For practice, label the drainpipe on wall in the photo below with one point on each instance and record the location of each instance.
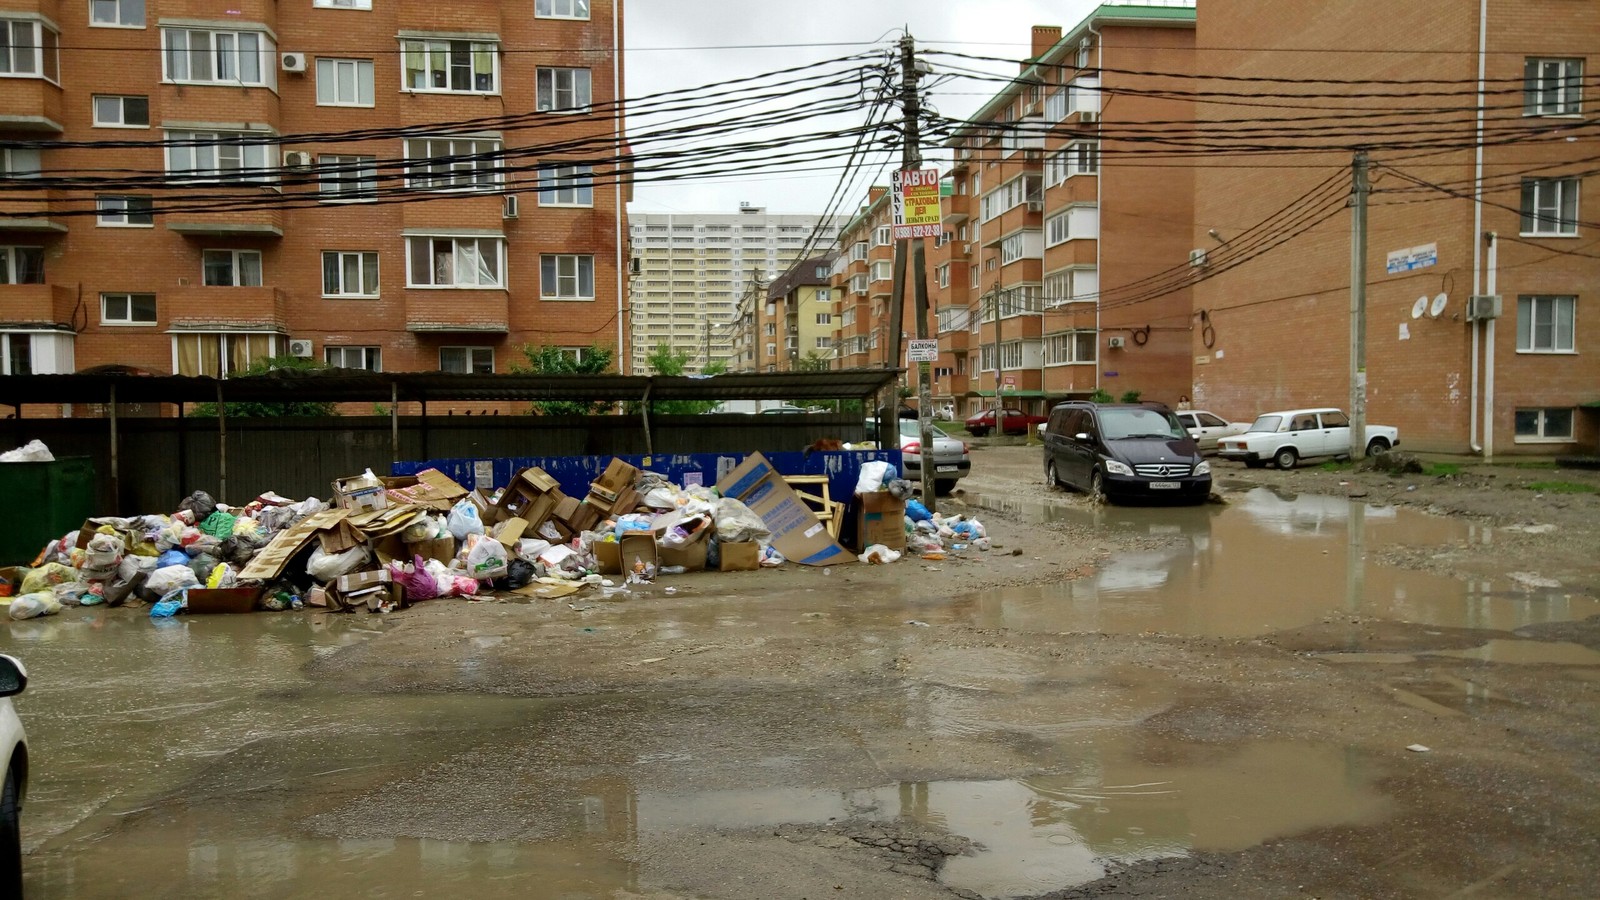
(1099, 193)
(1488, 351)
(1477, 224)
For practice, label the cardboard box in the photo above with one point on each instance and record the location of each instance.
(796, 531)
(349, 494)
(692, 556)
(880, 519)
(205, 601)
(740, 556)
(510, 531)
(430, 488)
(358, 589)
(640, 546)
(584, 519)
(442, 549)
(608, 557)
(625, 502)
(91, 527)
(618, 477)
(532, 495)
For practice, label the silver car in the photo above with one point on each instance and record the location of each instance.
(952, 459)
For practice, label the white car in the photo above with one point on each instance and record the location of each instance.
(1207, 427)
(1284, 438)
(14, 743)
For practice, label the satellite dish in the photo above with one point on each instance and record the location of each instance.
(1439, 303)
(1419, 307)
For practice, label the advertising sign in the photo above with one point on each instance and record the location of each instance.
(916, 204)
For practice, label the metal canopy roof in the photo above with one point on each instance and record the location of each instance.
(354, 386)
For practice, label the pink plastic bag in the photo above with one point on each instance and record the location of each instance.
(418, 584)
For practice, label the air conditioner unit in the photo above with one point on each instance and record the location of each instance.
(296, 159)
(1116, 343)
(1035, 206)
(510, 211)
(293, 62)
(1087, 115)
(1481, 309)
(1197, 257)
(302, 349)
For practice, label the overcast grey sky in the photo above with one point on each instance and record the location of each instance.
(655, 24)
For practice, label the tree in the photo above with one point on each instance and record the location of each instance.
(817, 362)
(1131, 396)
(291, 364)
(541, 360)
(666, 361)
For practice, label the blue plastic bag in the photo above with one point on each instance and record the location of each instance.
(170, 605)
(916, 512)
(172, 558)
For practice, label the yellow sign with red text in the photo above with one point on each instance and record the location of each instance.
(916, 204)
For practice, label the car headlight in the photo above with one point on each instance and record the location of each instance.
(1203, 469)
(1117, 468)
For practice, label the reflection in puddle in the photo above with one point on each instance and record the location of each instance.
(1528, 653)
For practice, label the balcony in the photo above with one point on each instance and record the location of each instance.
(29, 211)
(458, 312)
(265, 223)
(226, 307)
(1077, 252)
(30, 105)
(36, 304)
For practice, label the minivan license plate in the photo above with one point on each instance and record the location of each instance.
(946, 468)
(1164, 485)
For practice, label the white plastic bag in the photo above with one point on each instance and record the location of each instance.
(164, 581)
(30, 606)
(464, 520)
(662, 498)
(325, 567)
(528, 549)
(32, 451)
(487, 560)
(879, 555)
(737, 523)
(872, 476)
(104, 552)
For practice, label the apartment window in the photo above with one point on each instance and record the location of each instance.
(1072, 286)
(349, 273)
(218, 355)
(347, 177)
(20, 162)
(1071, 348)
(18, 354)
(824, 319)
(566, 186)
(563, 89)
(1552, 424)
(29, 48)
(561, 9)
(848, 319)
(824, 343)
(1552, 87)
(342, 4)
(231, 268)
(882, 236)
(1015, 247)
(954, 318)
(344, 82)
(1546, 324)
(1017, 191)
(858, 283)
(369, 358)
(220, 156)
(124, 211)
(449, 164)
(1083, 52)
(467, 360)
(1078, 158)
(450, 67)
(1549, 206)
(127, 309)
(772, 349)
(566, 277)
(121, 112)
(1077, 223)
(116, 13)
(1083, 96)
(21, 265)
(825, 295)
(1055, 105)
(772, 329)
(858, 251)
(973, 277)
(454, 262)
(206, 56)
(883, 270)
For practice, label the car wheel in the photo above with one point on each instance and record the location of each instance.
(943, 488)
(977, 432)
(1097, 487)
(1286, 458)
(1052, 479)
(1378, 447)
(10, 837)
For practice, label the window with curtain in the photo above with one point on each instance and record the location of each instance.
(455, 262)
(449, 66)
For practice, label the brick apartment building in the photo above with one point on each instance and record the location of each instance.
(1429, 365)
(796, 324)
(261, 227)
(863, 280)
(1041, 235)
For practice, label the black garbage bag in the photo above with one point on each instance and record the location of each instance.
(519, 573)
(203, 565)
(199, 503)
(240, 549)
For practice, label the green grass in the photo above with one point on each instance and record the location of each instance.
(1440, 470)
(1562, 487)
(1334, 465)
(1533, 464)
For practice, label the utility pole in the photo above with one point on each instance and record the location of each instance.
(911, 161)
(1360, 188)
(994, 307)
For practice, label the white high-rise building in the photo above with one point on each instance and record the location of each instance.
(691, 269)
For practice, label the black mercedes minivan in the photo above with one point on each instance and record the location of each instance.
(1124, 451)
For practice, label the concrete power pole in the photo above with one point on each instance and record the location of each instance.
(1360, 188)
(911, 161)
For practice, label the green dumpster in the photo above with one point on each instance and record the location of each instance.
(44, 501)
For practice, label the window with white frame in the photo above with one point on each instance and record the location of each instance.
(124, 211)
(1055, 105)
(1018, 301)
(858, 283)
(883, 270)
(1017, 191)
(369, 358)
(848, 319)
(882, 236)
(1014, 247)
(954, 318)
(1071, 348)
(343, 177)
(455, 262)
(231, 268)
(453, 164)
(858, 251)
(29, 49)
(972, 277)
(16, 354)
(206, 156)
(1076, 223)
(220, 354)
(449, 66)
(1549, 207)
(1551, 423)
(566, 276)
(1083, 96)
(349, 273)
(1552, 87)
(566, 185)
(20, 162)
(116, 13)
(212, 56)
(1077, 158)
(824, 318)
(467, 360)
(1011, 354)
(21, 265)
(563, 89)
(943, 275)
(342, 4)
(561, 9)
(121, 112)
(824, 343)
(825, 295)
(1071, 286)
(1546, 324)
(344, 82)
(127, 309)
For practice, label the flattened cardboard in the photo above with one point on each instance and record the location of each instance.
(340, 538)
(356, 581)
(739, 556)
(429, 488)
(442, 549)
(796, 531)
(203, 601)
(384, 522)
(880, 519)
(274, 558)
(509, 532)
(618, 477)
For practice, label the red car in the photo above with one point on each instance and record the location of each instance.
(1014, 421)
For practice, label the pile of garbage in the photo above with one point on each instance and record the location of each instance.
(384, 543)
